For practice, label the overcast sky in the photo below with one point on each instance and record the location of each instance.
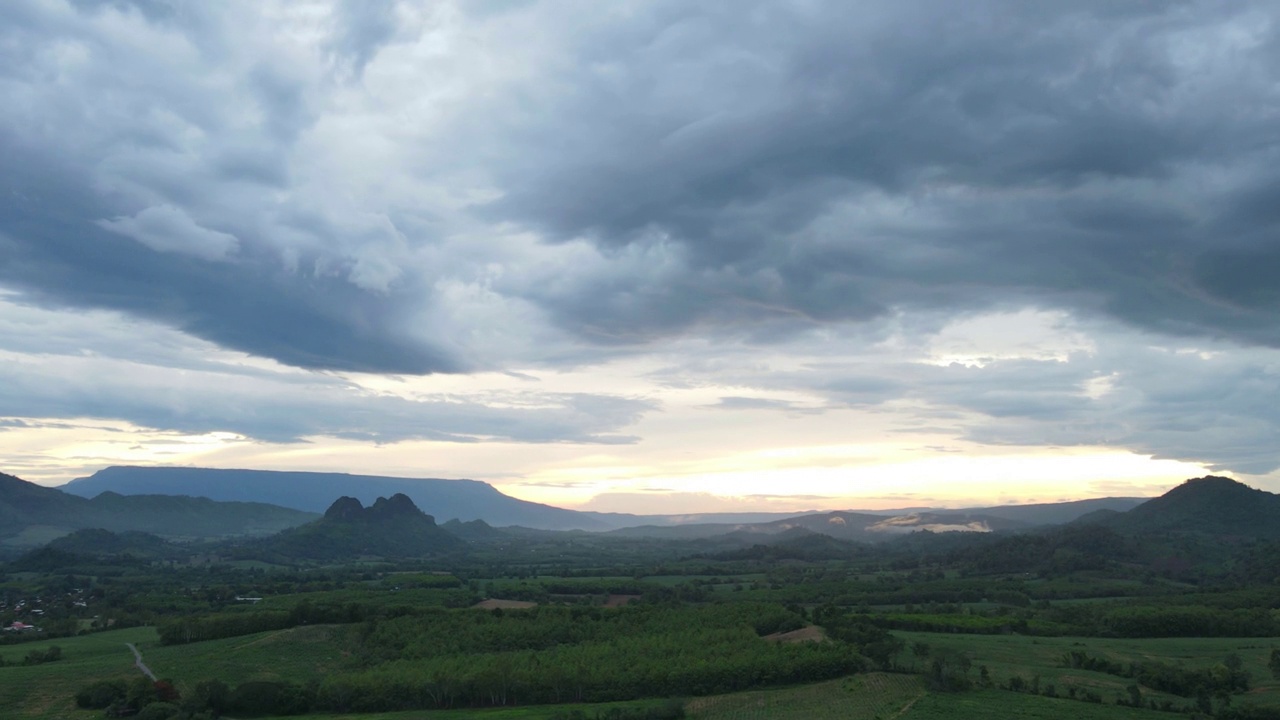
(651, 256)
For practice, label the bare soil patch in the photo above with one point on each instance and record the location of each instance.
(813, 633)
(493, 604)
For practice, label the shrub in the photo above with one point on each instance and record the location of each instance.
(101, 694)
(158, 711)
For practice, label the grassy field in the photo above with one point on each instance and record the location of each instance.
(865, 697)
(544, 712)
(1008, 655)
(999, 704)
(47, 691)
(304, 653)
(297, 655)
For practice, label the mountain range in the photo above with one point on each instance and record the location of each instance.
(314, 492)
(33, 515)
(467, 500)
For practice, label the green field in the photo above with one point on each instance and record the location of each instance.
(544, 712)
(999, 704)
(877, 696)
(881, 696)
(298, 655)
(47, 691)
(1009, 655)
(304, 653)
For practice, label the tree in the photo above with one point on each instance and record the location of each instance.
(1274, 663)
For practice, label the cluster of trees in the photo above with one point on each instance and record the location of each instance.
(1223, 678)
(198, 628)
(38, 657)
(1089, 620)
(687, 661)
(209, 699)
(1187, 621)
(139, 698)
(213, 627)
(440, 658)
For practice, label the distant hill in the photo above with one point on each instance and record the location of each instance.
(313, 492)
(843, 525)
(1210, 505)
(33, 515)
(475, 530)
(1058, 513)
(104, 543)
(390, 528)
(795, 544)
(1067, 548)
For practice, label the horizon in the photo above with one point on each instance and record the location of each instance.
(684, 258)
(664, 508)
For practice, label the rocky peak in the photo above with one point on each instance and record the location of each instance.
(398, 505)
(345, 508)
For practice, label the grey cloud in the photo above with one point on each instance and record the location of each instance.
(289, 409)
(838, 161)
(1182, 406)
(750, 173)
(114, 203)
(360, 29)
(165, 228)
(753, 170)
(750, 403)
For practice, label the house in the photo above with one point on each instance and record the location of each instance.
(21, 627)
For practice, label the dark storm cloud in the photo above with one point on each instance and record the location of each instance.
(413, 189)
(68, 242)
(833, 161)
(756, 168)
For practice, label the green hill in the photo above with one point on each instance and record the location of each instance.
(33, 515)
(1209, 505)
(104, 543)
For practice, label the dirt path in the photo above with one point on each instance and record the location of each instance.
(907, 707)
(137, 660)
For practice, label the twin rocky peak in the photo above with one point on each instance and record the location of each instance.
(349, 509)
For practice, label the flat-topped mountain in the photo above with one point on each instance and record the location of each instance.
(391, 527)
(33, 515)
(313, 492)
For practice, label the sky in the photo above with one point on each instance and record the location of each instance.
(647, 256)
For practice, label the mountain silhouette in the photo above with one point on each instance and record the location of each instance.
(33, 515)
(391, 527)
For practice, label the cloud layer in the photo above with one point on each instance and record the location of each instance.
(411, 188)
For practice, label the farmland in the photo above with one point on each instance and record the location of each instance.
(947, 626)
